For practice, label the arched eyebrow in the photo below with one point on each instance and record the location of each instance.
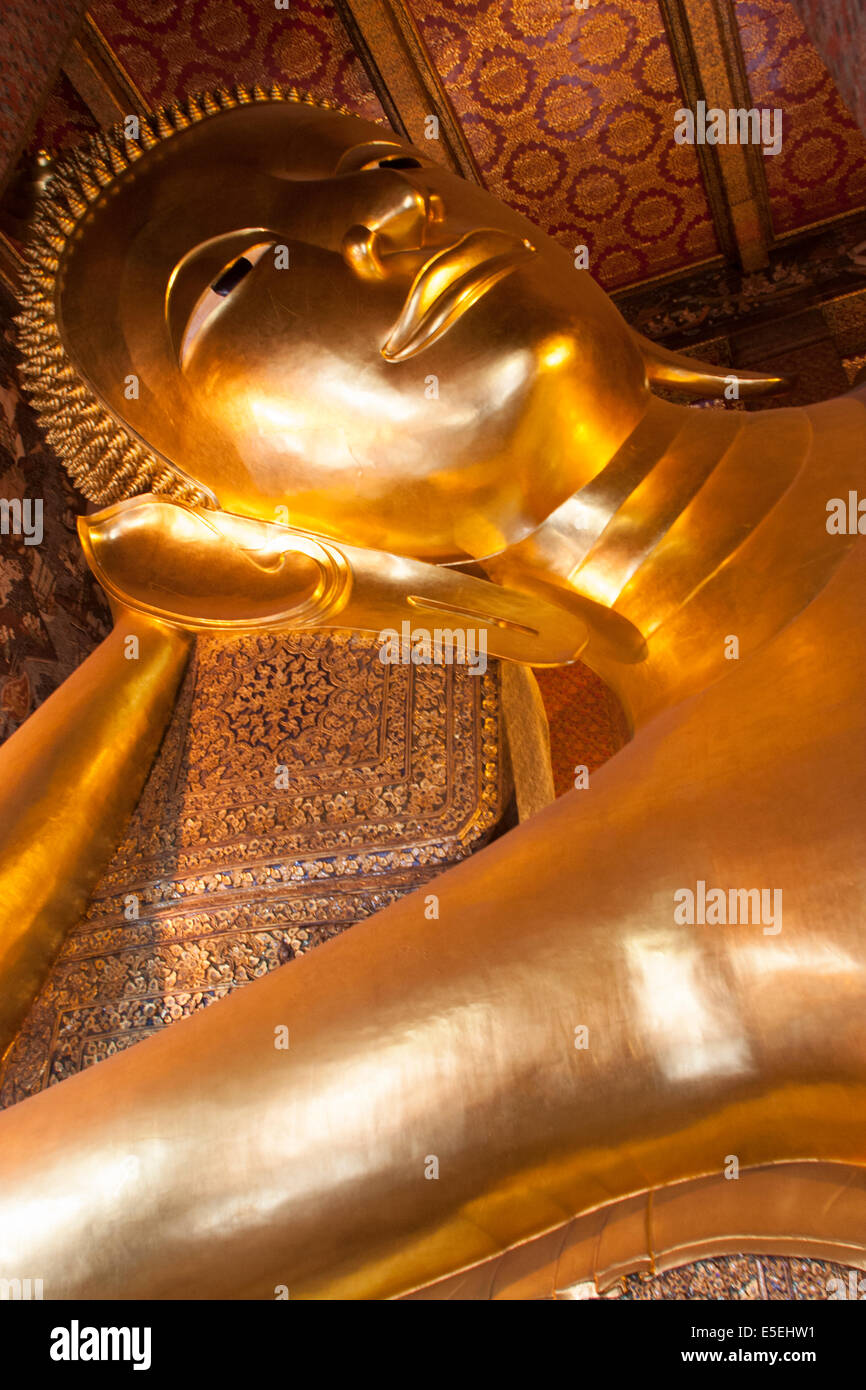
(216, 294)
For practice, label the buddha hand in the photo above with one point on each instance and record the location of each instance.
(201, 570)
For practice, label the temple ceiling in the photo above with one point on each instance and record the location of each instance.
(564, 111)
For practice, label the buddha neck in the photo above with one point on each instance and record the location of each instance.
(706, 525)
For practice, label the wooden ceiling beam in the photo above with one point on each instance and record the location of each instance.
(99, 77)
(405, 79)
(708, 55)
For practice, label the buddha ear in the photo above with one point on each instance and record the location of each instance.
(703, 379)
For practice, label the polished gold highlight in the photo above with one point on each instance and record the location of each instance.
(549, 501)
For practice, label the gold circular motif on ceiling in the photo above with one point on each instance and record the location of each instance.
(654, 215)
(568, 107)
(534, 169)
(801, 70)
(818, 151)
(603, 39)
(502, 80)
(630, 134)
(223, 33)
(301, 52)
(597, 194)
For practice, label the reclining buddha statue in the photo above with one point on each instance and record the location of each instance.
(314, 381)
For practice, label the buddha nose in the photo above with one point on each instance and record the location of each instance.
(397, 242)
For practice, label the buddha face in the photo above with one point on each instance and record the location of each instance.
(325, 326)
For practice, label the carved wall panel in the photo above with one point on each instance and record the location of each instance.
(302, 785)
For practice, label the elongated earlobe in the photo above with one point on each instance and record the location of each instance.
(704, 379)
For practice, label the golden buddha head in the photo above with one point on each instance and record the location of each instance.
(263, 303)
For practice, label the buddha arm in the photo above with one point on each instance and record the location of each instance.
(209, 1162)
(69, 779)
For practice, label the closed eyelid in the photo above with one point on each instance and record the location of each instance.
(394, 161)
(216, 294)
(378, 155)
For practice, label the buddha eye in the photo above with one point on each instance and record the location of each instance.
(377, 154)
(232, 276)
(217, 292)
(396, 161)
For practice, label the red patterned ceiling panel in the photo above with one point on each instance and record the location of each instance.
(570, 115)
(34, 35)
(821, 170)
(64, 119)
(172, 48)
